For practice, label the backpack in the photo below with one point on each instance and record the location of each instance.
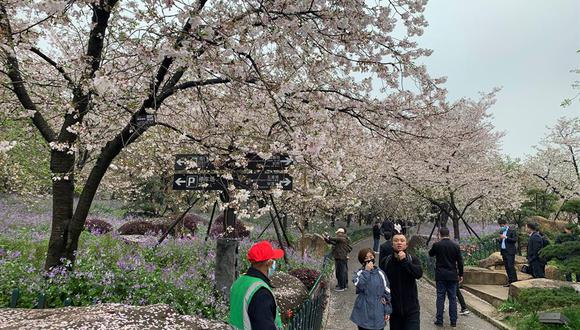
(545, 241)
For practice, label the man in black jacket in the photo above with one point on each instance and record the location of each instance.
(508, 238)
(386, 250)
(387, 227)
(376, 236)
(448, 274)
(403, 271)
(535, 244)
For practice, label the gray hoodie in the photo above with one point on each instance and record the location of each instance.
(373, 299)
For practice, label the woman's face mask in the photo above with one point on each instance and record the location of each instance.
(272, 269)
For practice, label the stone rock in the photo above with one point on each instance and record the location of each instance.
(146, 240)
(289, 291)
(543, 283)
(483, 276)
(553, 273)
(495, 261)
(105, 316)
(313, 244)
(548, 225)
(418, 241)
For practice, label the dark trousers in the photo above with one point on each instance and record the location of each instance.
(448, 288)
(509, 262)
(538, 268)
(569, 277)
(376, 244)
(341, 272)
(460, 298)
(361, 328)
(405, 322)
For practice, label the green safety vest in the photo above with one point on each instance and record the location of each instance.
(241, 295)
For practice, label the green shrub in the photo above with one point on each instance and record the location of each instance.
(536, 299)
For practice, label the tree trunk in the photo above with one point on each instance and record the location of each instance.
(456, 234)
(62, 206)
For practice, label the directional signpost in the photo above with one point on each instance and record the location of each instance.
(258, 174)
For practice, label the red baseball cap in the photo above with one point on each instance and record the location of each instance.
(263, 251)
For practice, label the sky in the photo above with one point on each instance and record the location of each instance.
(525, 47)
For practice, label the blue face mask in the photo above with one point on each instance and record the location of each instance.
(503, 228)
(272, 269)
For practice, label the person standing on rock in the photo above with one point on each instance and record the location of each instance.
(340, 250)
(448, 274)
(376, 236)
(403, 271)
(372, 306)
(535, 244)
(252, 303)
(508, 237)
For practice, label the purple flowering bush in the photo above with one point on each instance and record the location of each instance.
(179, 272)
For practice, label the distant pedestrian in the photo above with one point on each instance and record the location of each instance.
(403, 271)
(252, 303)
(372, 306)
(376, 236)
(464, 310)
(340, 250)
(535, 245)
(385, 251)
(387, 227)
(448, 274)
(508, 238)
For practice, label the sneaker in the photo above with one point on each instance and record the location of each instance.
(506, 285)
(339, 289)
(438, 324)
(464, 312)
(453, 325)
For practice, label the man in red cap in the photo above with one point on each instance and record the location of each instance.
(252, 303)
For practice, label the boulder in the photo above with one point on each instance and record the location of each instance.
(548, 225)
(418, 241)
(289, 291)
(495, 261)
(313, 245)
(146, 240)
(483, 276)
(542, 283)
(553, 273)
(104, 316)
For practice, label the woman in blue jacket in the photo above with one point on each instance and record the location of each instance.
(372, 306)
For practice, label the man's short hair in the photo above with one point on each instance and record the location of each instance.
(444, 232)
(502, 221)
(532, 225)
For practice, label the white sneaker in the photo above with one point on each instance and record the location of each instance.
(339, 289)
(464, 312)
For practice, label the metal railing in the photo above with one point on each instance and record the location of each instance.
(309, 315)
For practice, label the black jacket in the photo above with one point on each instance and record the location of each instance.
(403, 276)
(535, 244)
(449, 261)
(385, 251)
(376, 231)
(262, 308)
(387, 227)
(510, 241)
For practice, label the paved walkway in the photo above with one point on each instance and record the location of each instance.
(341, 303)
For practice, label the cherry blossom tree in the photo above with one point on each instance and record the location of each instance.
(220, 77)
(555, 166)
(457, 166)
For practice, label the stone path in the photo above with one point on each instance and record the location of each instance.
(341, 303)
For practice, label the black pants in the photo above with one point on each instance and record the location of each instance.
(509, 262)
(405, 322)
(461, 299)
(361, 328)
(341, 272)
(538, 268)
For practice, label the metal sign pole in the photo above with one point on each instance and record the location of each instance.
(176, 221)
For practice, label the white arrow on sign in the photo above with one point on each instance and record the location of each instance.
(179, 181)
(286, 161)
(286, 182)
(180, 162)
